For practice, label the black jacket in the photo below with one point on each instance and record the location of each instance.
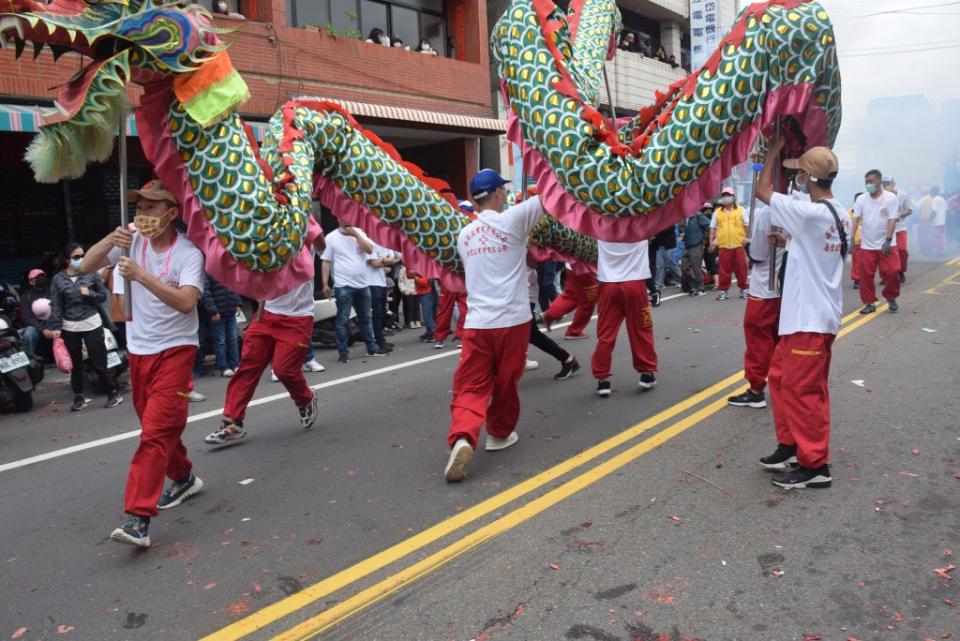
(27, 316)
(217, 299)
(67, 303)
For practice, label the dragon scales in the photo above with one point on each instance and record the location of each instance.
(248, 208)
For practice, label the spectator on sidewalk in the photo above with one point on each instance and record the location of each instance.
(667, 270)
(31, 329)
(695, 231)
(427, 295)
(76, 299)
(378, 262)
(222, 305)
(409, 299)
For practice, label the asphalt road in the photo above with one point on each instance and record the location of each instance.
(638, 517)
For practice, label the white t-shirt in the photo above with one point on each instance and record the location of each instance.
(533, 285)
(377, 276)
(874, 214)
(622, 262)
(349, 262)
(760, 254)
(493, 249)
(156, 326)
(903, 204)
(295, 303)
(812, 293)
(939, 208)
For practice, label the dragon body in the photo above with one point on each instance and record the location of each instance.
(248, 207)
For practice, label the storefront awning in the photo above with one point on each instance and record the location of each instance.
(491, 126)
(28, 118)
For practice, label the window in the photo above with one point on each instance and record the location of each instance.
(409, 20)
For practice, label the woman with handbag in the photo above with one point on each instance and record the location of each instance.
(76, 299)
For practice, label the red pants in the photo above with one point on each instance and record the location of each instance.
(732, 261)
(855, 263)
(160, 384)
(615, 302)
(485, 383)
(799, 390)
(760, 322)
(580, 294)
(282, 339)
(902, 250)
(889, 266)
(445, 315)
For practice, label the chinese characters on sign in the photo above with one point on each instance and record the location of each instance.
(704, 32)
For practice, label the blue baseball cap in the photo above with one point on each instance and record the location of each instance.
(485, 183)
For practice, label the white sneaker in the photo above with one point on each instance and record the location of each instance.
(313, 366)
(273, 377)
(195, 397)
(531, 365)
(494, 444)
(438, 345)
(227, 373)
(460, 457)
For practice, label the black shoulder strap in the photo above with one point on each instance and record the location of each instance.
(840, 230)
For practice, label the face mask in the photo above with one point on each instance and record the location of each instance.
(871, 188)
(425, 46)
(397, 45)
(151, 226)
(385, 40)
(726, 200)
(76, 262)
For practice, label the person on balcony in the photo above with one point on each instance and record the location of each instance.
(378, 37)
(425, 48)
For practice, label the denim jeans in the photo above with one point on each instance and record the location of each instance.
(359, 299)
(666, 263)
(378, 311)
(31, 336)
(225, 345)
(198, 367)
(428, 310)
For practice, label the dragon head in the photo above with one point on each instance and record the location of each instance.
(119, 41)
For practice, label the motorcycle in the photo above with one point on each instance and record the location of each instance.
(19, 372)
(116, 361)
(325, 321)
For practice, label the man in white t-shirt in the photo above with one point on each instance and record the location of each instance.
(809, 317)
(876, 212)
(497, 329)
(761, 318)
(348, 250)
(381, 259)
(905, 209)
(622, 270)
(166, 274)
(280, 337)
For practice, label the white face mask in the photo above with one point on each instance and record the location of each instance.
(726, 200)
(425, 46)
(398, 45)
(384, 40)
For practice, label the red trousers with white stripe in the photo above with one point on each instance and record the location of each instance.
(889, 266)
(485, 383)
(445, 314)
(902, 250)
(160, 384)
(732, 261)
(616, 302)
(277, 338)
(799, 389)
(760, 323)
(580, 294)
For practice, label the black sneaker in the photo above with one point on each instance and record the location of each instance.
(79, 402)
(868, 309)
(113, 400)
(892, 305)
(134, 531)
(571, 367)
(427, 338)
(903, 278)
(655, 299)
(856, 284)
(603, 388)
(698, 293)
(748, 399)
(180, 491)
(380, 352)
(647, 382)
(308, 413)
(803, 477)
(387, 345)
(344, 358)
(723, 295)
(783, 458)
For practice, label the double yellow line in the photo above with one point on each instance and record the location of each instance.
(715, 394)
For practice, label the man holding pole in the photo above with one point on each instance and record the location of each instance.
(165, 272)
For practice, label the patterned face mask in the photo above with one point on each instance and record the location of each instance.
(151, 226)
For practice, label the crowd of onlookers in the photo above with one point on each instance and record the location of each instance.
(630, 41)
(380, 37)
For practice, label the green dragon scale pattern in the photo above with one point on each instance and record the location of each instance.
(237, 199)
(783, 46)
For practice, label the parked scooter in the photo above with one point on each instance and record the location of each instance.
(116, 361)
(325, 324)
(19, 372)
